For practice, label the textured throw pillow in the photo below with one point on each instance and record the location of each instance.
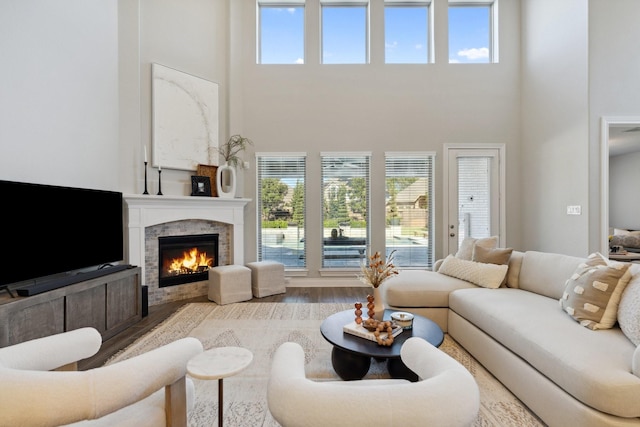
(485, 275)
(593, 292)
(498, 256)
(466, 247)
(629, 311)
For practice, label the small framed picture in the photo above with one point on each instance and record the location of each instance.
(200, 186)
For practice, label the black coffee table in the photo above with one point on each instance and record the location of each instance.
(351, 355)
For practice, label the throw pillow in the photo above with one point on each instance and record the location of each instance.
(593, 292)
(491, 256)
(485, 275)
(466, 247)
(629, 311)
(498, 256)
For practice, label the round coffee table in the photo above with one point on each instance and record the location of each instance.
(351, 355)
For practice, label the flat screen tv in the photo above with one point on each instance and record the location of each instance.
(53, 231)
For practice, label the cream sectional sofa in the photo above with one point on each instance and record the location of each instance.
(566, 373)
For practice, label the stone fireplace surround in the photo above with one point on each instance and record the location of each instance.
(147, 216)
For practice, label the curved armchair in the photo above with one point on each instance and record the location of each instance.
(445, 395)
(132, 392)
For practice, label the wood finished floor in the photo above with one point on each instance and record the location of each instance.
(159, 313)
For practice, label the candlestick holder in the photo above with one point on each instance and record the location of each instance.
(159, 182)
(145, 178)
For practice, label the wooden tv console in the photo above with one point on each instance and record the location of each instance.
(109, 303)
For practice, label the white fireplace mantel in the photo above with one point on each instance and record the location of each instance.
(148, 210)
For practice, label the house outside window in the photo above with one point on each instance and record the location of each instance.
(473, 32)
(281, 32)
(281, 205)
(409, 208)
(345, 208)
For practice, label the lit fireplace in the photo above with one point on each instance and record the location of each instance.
(186, 259)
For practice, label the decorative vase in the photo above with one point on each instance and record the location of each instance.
(226, 181)
(378, 305)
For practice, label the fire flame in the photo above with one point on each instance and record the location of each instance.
(191, 262)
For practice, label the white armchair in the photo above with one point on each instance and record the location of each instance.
(147, 390)
(445, 395)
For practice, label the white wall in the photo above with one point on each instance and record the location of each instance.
(190, 36)
(624, 196)
(59, 92)
(614, 86)
(555, 131)
(378, 108)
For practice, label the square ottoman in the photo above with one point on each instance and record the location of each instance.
(229, 283)
(267, 278)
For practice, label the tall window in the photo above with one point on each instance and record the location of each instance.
(471, 32)
(406, 32)
(281, 208)
(281, 30)
(409, 208)
(344, 33)
(345, 207)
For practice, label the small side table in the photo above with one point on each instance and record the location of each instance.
(218, 363)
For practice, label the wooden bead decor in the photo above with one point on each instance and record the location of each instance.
(381, 327)
(358, 312)
(370, 306)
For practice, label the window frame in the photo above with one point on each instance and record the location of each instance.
(365, 157)
(429, 42)
(274, 4)
(367, 28)
(295, 157)
(493, 28)
(429, 158)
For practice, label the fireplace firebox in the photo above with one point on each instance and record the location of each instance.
(186, 259)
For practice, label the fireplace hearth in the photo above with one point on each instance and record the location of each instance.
(186, 259)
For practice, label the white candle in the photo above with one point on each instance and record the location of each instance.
(145, 154)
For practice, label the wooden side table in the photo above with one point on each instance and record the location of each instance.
(218, 363)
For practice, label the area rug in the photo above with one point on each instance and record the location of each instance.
(262, 327)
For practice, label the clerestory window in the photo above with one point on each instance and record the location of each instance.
(281, 32)
(407, 32)
(473, 31)
(345, 32)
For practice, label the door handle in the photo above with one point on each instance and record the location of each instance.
(452, 234)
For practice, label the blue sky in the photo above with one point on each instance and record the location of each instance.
(344, 35)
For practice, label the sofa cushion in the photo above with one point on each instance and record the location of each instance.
(498, 256)
(515, 265)
(481, 274)
(629, 308)
(593, 366)
(420, 288)
(593, 291)
(468, 243)
(546, 273)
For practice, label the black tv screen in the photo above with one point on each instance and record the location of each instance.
(52, 230)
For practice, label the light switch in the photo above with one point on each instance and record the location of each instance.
(574, 210)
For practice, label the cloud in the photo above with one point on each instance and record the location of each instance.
(291, 10)
(392, 45)
(300, 61)
(419, 46)
(474, 53)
